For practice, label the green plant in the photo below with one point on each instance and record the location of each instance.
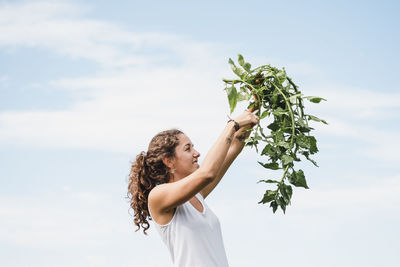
(273, 93)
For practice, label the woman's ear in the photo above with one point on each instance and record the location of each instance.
(168, 162)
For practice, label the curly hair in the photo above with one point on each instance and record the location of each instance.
(147, 172)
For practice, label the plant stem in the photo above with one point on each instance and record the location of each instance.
(231, 81)
(281, 181)
(291, 115)
(300, 100)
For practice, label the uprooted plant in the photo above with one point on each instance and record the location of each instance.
(270, 91)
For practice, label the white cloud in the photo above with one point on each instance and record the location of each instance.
(371, 194)
(359, 115)
(89, 225)
(125, 109)
(118, 108)
(380, 142)
(315, 218)
(121, 108)
(60, 27)
(52, 219)
(356, 103)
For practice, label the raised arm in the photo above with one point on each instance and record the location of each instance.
(233, 151)
(166, 197)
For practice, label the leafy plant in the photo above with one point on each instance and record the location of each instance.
(275, 94)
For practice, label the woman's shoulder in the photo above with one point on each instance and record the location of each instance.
(154, 192)
(157, 195)
(160, 217)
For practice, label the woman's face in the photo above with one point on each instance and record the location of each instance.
(185, 161)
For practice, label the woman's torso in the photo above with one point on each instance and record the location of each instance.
(163, 218)
(192, 234)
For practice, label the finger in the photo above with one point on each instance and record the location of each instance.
(254, 112)
(252, 109)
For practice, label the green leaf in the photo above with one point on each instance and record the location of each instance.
(313, 162)
(241, 97)
(273, 126)
(264, 114)
(285, 193)
(284, 144)
(311, 117)
(236, 70)
(274, 206)
(314, 99)
(301, 123)
(268, 150)
(232, 97)
(293, 98)
(303, 141)
(279, 136)
(257, 136)
(240, 60)
(272, 166)
(243, 94)
(279, 111)
(281, 75)
(245, 65)
(286, 159)
(268, 196)
(298, 179)
(313, 144)
(289, 191)
(282, 203)
(304, 128)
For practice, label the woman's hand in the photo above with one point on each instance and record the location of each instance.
(247, 118)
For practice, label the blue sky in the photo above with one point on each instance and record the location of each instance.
(84, 85)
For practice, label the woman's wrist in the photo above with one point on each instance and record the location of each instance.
(236, 124)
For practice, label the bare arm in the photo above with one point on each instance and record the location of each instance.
(167, 196)
(234, 150)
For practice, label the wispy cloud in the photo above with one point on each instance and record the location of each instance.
(359, 115)
(134, 93)
(75, 220)
(120, 106)
(358, 103)
(328, 211)
(145, 82)
(87, 224)
(60, 27)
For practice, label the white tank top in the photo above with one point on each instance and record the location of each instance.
(194, 238)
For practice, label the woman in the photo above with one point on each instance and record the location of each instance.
(168, 186)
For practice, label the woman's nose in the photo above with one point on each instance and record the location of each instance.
(196, 154)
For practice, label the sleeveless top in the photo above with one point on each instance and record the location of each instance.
(194, 238)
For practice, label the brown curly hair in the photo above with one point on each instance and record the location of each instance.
(148, 171)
